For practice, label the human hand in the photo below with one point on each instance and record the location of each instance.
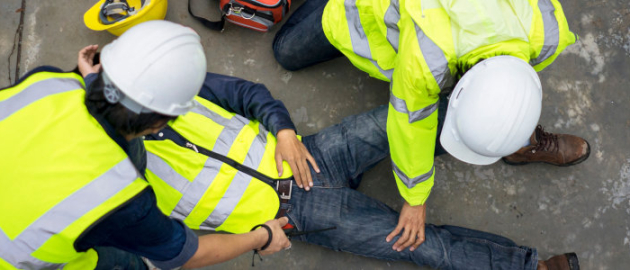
(279, 241)
(291, 150)
(86, 63)
(411, 220)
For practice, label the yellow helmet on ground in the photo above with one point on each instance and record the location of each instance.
(116, 16)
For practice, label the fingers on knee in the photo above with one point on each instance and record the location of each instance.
(420, 240)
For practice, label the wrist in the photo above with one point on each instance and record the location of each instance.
(286, 132)
(264, 236)
(261, 238)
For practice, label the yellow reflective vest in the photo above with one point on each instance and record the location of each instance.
(420, 46)
(204, 192)
(61, 173)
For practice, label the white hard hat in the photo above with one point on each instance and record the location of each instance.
(158, 66)
(492, 111)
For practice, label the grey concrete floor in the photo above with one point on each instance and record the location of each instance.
(585, 208)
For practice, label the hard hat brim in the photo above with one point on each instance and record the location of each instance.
(152, 10)
(457, 148)
(91, 18)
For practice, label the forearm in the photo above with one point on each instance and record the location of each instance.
(218, 248)
(248, 99)
(412, 151)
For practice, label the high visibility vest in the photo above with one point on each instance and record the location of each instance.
(421, 46)
(61, 173)
(204, 192)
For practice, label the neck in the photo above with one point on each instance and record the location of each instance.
(129, 137)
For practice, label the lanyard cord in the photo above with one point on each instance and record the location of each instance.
(169, 133)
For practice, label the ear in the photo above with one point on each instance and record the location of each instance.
(159, 125)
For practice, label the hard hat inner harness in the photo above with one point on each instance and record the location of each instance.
(113, 11)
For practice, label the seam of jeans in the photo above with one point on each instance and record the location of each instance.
(534, 259)
(445, 259)
(515, 248)
(321, 187)
(371, 256)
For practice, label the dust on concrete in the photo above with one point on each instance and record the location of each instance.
(577, 101)
(33, 41)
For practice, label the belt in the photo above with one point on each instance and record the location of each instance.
(283, 187)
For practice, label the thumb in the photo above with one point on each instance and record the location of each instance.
(279, 164)
(283, 221)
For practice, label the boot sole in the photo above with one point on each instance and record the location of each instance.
(575, 162)
(574, 263)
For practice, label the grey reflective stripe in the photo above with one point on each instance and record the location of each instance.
(35, 92)
(231, 128)
(400, 105)
(192, 195)
(552, 32)
(360, 44)
(412, 182)
(200, 109)
(18, 252)
(435, 59)
(159, 167)
(262, 134)
(392, 16)
(238, 186)
(192, 192)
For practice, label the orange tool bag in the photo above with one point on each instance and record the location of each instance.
(259, 15)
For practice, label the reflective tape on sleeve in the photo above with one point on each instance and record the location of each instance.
(412, 182)
(400, 106)
(552, 32)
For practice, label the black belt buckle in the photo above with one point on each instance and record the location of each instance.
(281, 193)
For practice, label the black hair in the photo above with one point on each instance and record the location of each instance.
(122, 119)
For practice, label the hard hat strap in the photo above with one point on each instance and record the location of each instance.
(113, 95)
(117, 10)
(110, 91)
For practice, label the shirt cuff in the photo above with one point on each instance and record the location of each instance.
(190, 247)
(89, 79)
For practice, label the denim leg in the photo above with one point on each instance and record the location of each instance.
(343, 152)
(346, 150)
(115, 259)
(363, 224)
(301, 41)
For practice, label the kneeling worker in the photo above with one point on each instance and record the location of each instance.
(69, 166)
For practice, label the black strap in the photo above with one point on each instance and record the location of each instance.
(178, 139)
(214, 25)
(257, 14)
(268, 239)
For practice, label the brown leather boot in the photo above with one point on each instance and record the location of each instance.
(568, 261)
(556, 149)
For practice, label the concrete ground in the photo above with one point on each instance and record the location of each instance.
(584, 209)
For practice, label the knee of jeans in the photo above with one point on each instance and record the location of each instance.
(284, 60)
(283, 55)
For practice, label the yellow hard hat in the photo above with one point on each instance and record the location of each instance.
(116, 16)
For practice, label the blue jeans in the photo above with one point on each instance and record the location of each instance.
(301, 41)
(343, 152)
